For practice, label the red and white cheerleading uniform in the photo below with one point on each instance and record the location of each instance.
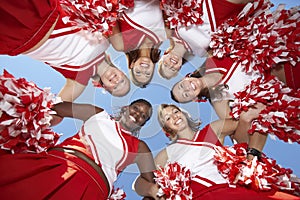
(234, 76)
(25, 24)
(145, 20)
(60, 175)
(73, 52)
(196, 38)
(198, 156)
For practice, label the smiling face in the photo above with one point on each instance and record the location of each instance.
(135, 116)
(170, 65)
(187, 89)
(173, 120)
(142, 70)
(115, 82)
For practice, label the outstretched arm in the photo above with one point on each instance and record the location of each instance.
(145, 183)
(75, 110)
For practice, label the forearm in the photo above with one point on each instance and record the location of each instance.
(74, 110)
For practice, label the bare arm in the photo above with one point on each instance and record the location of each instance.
(116, 38)
(71, 90)
(222, 109)
(246, 118)
(145, 183)
(224, 128)
(75, 110)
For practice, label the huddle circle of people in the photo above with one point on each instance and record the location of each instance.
(205, 82)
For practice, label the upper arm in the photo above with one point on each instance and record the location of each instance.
(223, 128)
(71, 90)
(222, 109)
(161, 158)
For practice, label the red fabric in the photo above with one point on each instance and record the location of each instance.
(24, 23)
(208, 135)
(292, 74)
(213, 62)
(221, 191)
(56, 175)
(81, 77)
(130, 35)
(223, 10)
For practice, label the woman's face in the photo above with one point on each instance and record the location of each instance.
(143, 69)
(187, 89)
(174, 119)
(171, 64)
(115, 82)
(135, 116)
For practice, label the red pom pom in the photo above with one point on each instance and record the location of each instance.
(263, 174)
(174, 181)
(94, 15)
(259, 38)
(25, 116)
(182, 13)
(280, 117)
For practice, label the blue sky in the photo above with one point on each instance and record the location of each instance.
(287, 155)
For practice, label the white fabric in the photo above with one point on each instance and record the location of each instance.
(198, 157)
(107, 145)
(236, 79)
(147, 13)
(73, 49)
(198, 36)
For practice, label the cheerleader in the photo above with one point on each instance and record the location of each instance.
(193, 157)
(193, 23)
(83, 166)
(77, 54)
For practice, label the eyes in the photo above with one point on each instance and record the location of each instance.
(185, 94)
(168, 116)
(139, 73)
(142, 114)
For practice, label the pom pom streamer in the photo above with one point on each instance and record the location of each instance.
(25, 116)
(94, 15)
(174, 181)
(282, 113)
(182, 12)
(118, 194)
(263, 174)
(260, 38)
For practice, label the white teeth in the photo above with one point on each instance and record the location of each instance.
(193, 86)
(173, 61)
(132, 118)
(144, 65)
(178, 121)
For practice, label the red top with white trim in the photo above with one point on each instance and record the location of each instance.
(73, 52)
(105, 142)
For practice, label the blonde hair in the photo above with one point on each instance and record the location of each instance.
(194, 124)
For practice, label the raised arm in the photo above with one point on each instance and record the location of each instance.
(145, 184)
(224, 128)
(75, 110)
